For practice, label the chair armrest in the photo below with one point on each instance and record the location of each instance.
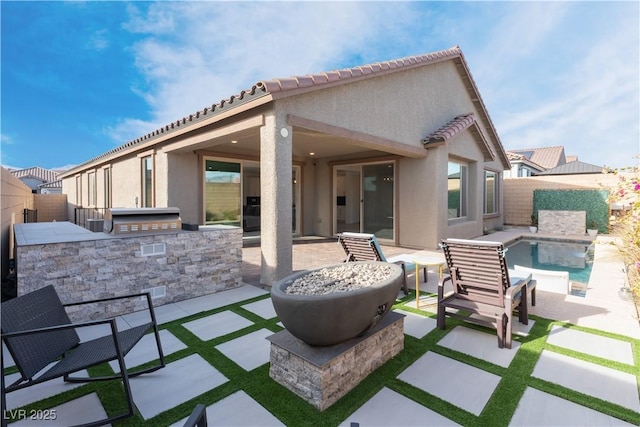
(516, 288)
(61, 327)
(141, 294)
(441, 284)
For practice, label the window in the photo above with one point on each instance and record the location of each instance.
(79, 190)
(147, 182)
(457, 190)
(92, 189)
(490, 192)
(107, 188)
(523, 172)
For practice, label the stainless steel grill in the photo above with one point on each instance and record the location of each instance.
(142, 220)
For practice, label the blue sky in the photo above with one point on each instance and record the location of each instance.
(81, 78)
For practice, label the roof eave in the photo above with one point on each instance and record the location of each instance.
(168, 132)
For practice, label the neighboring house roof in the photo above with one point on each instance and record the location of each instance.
(53, 184)
(454, 127)
(522, 159)
(572, 168)
(44, 175)
(547, 157)
(267, 90)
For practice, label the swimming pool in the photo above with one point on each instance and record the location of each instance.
(574, 257)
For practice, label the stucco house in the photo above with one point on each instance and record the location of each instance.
(403, 148)
(41, 181)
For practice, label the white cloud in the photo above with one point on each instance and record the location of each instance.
(195, 54)
(99, 40)
(550, 72)
(129, 129)
(573, 82)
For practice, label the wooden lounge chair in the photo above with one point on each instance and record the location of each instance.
(481, 286)
(44, 344)
(365, 247)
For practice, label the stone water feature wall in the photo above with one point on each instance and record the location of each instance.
(567, 223)
(174, 266)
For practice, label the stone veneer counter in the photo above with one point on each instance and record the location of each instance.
(84, 265)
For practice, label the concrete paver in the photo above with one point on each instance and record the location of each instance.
(263, 308)
(248, 351)
(455, 382)
(480, 345)
(146, 350)
(238, 409)
(176, 383)
(417, 326)
(388, 408)
(537, 408)
(217, 325)
(79, 411)
(588, 378)
(595, 345)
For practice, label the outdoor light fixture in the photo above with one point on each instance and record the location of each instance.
(233, 141)
(312, 154)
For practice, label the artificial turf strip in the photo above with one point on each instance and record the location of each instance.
(292, 410)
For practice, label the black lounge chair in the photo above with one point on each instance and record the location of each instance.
(198, 417)
(481, 286)
(37, 332)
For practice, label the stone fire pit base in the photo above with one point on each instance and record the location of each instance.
(322, 375)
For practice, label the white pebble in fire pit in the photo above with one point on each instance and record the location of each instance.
(348, 277)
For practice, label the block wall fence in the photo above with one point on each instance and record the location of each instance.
(518, 192)
(15, 197)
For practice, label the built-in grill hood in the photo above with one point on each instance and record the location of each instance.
(142, 220)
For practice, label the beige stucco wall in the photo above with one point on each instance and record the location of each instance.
(518, 192)
(15, 197)
(403, 107)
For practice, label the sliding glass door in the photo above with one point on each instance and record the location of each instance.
(364, 199)
(232, 195)
(222, 192)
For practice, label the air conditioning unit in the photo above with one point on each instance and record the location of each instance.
(95, 225)
(142, 220)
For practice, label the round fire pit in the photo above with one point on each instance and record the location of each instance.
(329, 305)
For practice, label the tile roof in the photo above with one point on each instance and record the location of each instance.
(451, 129)
(52, 184)
(297, 82)
(281, 87)
(572, 168)
(454, 127)
(37, 172)
(547, 157)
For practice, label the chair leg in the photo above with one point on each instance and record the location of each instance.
(405, 287)
(440, 322)
(523, 310)
(424, 270)
(508, 322)
(533, 296)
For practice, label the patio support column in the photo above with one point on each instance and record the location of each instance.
(275, 199)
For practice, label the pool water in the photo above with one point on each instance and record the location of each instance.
(574, 257)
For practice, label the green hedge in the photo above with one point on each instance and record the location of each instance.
(593, 202)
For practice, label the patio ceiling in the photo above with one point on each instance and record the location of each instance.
(243, 140)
